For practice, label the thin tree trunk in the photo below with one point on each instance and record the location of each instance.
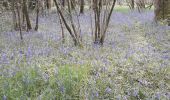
(19, 21)
(62, 29)
(23, 18)
(107, 22)
(63, 2)
(82, 6)
(25, 10)
(37, 17)
(65, 22)
(157, 10)
(15, 24)
(132, 4)
(72, 4)
(48, 4)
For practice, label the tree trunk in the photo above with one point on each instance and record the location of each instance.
(48, 4)
(107, 22)
(63, 2)
(102, 18)
(169, 22)
(132, 4)
(81, 6)
(140, 5)
(162, 11)
(19, 19)
(15, 24)
(65, 23)
(72, 4)
(25, 11)
(37, 17)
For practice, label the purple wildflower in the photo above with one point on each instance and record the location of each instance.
(4, 59)
(135, 93)
(158, 96)
(4, 98)
(29, 52)
(108, 90)
(62, 89)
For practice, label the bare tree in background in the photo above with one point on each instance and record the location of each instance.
(48, 4)
(162, 11)
(16, 7)
(14, 16)
(157, 10)
(102, 13)
(132, 4)
(37, 12)
(72, 4)
(82, 3)
(63, 2)
(140, 5)
(102, 10)
(72, 22)
(26, 14)
(19, 17)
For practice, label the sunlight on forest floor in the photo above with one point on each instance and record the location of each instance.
(133, 64)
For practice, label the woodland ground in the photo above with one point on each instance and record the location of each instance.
(133, 64)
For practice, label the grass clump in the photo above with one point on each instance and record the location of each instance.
(66, 82)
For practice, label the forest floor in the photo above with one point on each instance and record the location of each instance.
(133, 64)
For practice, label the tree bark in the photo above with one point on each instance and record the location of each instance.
(63, 2)
(15, 24)
(37, 17)
(132, 4)
(72, 4)
(25, 11)
(19, 19)
(107, 22)
(82, 6)
(48, 4)
(102, 16)
(65, 22)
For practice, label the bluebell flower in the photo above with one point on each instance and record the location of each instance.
(135, 93)
(21, 52)
(158, 96)
(168, 95)
(108, 90)
(4, 59)
(97, 94)
(62, 89)
(4, 98)
(166, 57)
(29, 52)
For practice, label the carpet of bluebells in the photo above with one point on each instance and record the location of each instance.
(133, 64)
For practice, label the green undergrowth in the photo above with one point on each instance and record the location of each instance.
(61, 82)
